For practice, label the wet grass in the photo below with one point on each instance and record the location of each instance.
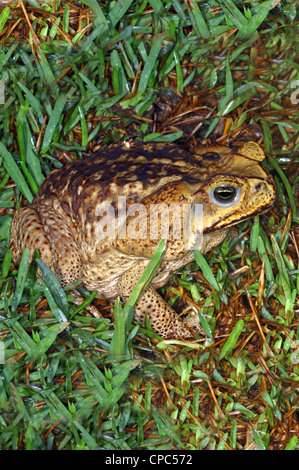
(81, 75)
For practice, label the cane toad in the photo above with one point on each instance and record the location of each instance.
(98, 220)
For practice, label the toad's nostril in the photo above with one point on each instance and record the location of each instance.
(260, 186)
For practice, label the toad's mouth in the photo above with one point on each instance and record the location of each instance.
(223, 222)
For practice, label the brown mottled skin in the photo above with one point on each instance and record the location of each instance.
(62, 221)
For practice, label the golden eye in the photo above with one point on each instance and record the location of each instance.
(225, 195)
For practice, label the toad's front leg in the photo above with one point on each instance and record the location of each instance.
(164, 320)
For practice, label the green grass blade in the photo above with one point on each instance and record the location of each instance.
(55, 309)
(233, 434)
(166, 425)
(292, 444)
(254, 235)
(14, 172)
(150, 64)
(157, 5)
(232, 339)
(234, 14)
(179, 8)
(198, 20)
(46, 342)
(57, 407)
(90, 441)
(287, 186)
(6, 263)
(118, 342)
(206, 270)
(85, 303)
(53, 30)
(95, 376)
(100, 18)
(4, 17)
(33, 101)
(53, 122)
(121, 372)
(264, 255)
(124, 316)
(33, 163)
(84, 128)
(21, 278)
(279, 259)
(30, 162)
(45, 69)
(148, 273)
(233, 104)
(258, 439)
(118, 11)
(66, 18)
(54, 287)
(23, 338)
(120, 84)
(257, 19)
(179, 73)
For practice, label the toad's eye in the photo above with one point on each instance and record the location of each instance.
(225, 195)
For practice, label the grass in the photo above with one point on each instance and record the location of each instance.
(79, 76)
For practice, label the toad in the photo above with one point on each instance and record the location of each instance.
(99, 219)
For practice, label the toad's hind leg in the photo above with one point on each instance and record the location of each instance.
(27, 231)
(66, 260)
(45, 230)
(164, 320)
(66, 256)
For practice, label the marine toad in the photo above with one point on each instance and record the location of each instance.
(97, 219)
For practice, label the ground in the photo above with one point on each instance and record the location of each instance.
(77, 76)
